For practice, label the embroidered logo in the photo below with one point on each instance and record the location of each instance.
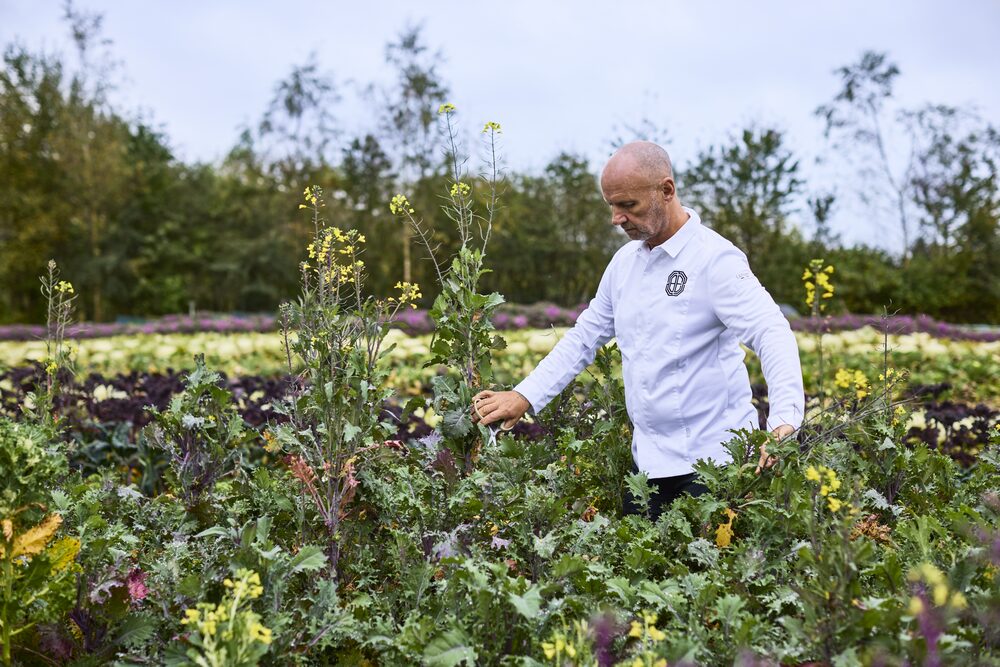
(675, 283)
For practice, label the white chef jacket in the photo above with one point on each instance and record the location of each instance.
(679, 313)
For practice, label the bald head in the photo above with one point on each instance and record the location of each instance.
(638, 185)
(640, 161)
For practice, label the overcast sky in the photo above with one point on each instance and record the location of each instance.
(557, 75)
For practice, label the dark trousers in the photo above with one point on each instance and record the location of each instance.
(668, 489)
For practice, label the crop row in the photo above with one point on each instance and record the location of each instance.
(970, 369)
(107, 412)
(510, 317)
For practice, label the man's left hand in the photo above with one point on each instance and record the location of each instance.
(766, 460)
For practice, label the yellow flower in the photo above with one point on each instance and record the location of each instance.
(492, 127)
(549, 649)
(259, 633)
(400, 205)
(843, 378)
(834, 504)
(447, 107)
(916, 606)
(812, 474)
(636, 630)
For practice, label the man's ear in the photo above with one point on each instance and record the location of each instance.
(668, 189)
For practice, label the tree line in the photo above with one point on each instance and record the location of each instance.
(141, 232)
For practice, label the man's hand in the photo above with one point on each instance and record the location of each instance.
(766, 461)
(489, 407)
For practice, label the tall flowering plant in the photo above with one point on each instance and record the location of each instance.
(819, 289)
(464, 335)
(336, 332)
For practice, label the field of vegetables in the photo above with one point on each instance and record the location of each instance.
(873, 541)
(322, 497)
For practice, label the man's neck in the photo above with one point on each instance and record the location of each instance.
(676, 218)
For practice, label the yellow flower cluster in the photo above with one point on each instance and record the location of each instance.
(64, 287)
(247, 584)
(259, 633)
(206, 617)
(845, 377)
(492, 126)
(897, 414)
(313, 195)
(447, 107)
(647, 629)
(828, 487)
(400, 205)
(212, 620)
(323, 249)
(460, 189)
(937, 586)
(817, 277)
(560, 646)
(408, 293)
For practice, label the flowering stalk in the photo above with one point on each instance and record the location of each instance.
(463, 338)
(337, 332)
(816, 278)
(59, 296)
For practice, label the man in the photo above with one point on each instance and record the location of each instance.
(679, 298)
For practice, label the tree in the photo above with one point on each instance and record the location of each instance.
(956, 194)
(745, 190)
(860, 121)
(410, 119)
(298, 130)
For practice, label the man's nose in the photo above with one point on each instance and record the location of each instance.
(618, 218)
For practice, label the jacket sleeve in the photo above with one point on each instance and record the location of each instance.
(744, 306)
(575, 351)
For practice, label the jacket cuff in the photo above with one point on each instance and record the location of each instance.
(778, 418)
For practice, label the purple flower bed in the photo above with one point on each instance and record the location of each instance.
(897, 324)
(510, 316)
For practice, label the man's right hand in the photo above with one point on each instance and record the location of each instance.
(489, 407)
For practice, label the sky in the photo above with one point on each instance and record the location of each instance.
(559, 76)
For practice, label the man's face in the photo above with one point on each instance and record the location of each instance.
(636, 206)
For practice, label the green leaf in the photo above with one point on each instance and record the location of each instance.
(135, 631)
(350, 432)
(704, 552)
(263, 529)
(456, 423)
(545, 546)
(217, 531)
(493, 300)
(451, 648)
(660, 595)
(620, 586)
(528, 604)
(309, 558)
